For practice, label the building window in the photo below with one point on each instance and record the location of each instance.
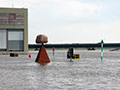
(11, 16)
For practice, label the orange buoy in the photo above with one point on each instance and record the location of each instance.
(42, 56)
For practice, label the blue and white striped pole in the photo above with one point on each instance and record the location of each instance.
(102, 50)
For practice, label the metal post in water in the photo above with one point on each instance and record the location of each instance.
(102, 42)
(53, 49)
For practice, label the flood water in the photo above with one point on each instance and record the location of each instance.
(86, 73)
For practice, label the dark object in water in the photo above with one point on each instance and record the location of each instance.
(116, 49)
(14, 54)
(70, 53)
(91, 48)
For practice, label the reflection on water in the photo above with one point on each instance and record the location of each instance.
(86, 73)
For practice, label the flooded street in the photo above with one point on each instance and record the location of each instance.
(86, 73)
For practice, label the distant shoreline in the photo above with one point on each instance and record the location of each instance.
(76, 45)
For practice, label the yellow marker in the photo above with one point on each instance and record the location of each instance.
(76, 56)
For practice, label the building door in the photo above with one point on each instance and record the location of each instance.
(15, 40)
(2, 39)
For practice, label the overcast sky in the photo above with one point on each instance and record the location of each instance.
(71, 21)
